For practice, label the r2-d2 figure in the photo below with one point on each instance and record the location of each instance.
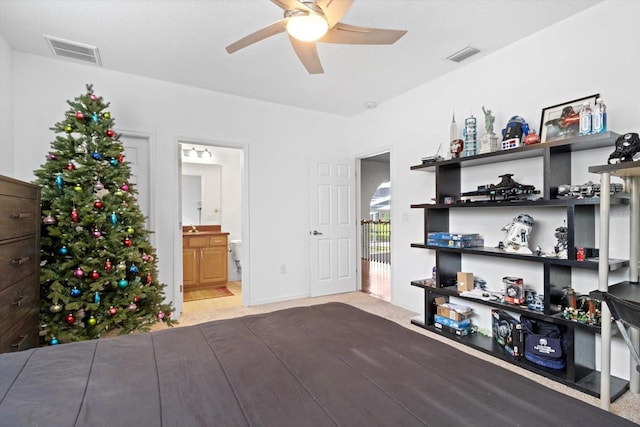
(517, 237)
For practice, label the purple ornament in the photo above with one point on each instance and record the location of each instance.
(96, 233)
(49, 220)
(78, 272)
(52, 156)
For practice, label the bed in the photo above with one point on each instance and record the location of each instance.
(324, 365)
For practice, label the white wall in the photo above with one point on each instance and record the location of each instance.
(6, 108)
(278, 154)
(548, 68)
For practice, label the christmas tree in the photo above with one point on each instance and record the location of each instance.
(98, 270)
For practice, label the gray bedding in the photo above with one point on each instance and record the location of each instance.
(325, 365)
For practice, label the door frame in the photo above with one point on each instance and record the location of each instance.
(246, 261)
(359, 157)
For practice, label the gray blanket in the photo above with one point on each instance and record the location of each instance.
(325, 365)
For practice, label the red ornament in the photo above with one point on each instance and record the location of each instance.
(97, 204)
(95, 275)
(70, 319)
(149, 278)
(79, 115)
(113, 310)
(120, 158)
(127, 242)
(136, 298)
(74, 215)
(108, 266)
(110, 133)
(70, 166)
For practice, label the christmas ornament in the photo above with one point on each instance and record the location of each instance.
(149, 278)
(51, 156)
(96, 156)
(93, 97)
(110, 133)
(127, 242)
(120, 158)
(98, 186)
(75, 292)
(79, 273)
(114, 218)
(96, 298)
(95, 117)
(130, 230)
(79, 229)
(136, 299)
(68, 129)
(107, 265)
(113, 161)
(132, 307)
(70, 166)
(113, 310)
(59, 181)
(92, 321)
(77, 188)
(122, 283)
(107, 115)
(133, 269)
(80, 149)
(70, 319)
(74, 215)
(96, 233)
(53, 341)
(160, 315)
(97, 204)
(55, 308)
(119, 193)
(95, 275)
(79, 115)
(63, 250)
(122, 266)
(48, 220)
(124, 187)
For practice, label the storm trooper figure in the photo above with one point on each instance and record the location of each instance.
(517, 237)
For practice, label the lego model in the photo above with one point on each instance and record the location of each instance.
(627, 149)
(586, 190)
(514, 133)
(517, 234)
(506, 189)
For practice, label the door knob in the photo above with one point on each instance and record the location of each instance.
(316, 233)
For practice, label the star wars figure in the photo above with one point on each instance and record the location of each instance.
(517, 238)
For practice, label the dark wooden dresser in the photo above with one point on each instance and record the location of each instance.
(19, 265)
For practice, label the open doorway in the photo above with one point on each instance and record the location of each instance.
(375, 225)
(212, 223)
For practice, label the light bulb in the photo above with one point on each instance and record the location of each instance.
(307, 28)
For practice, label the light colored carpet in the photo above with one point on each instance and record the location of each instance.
(627, 406)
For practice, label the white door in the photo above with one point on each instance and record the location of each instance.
(332, 234)
(136, 152)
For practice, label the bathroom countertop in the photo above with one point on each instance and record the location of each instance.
(204, 233)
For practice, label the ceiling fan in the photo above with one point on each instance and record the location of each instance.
(308, 22)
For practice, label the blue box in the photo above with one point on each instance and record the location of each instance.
(444, 235)
(455, 324)
(455, 243)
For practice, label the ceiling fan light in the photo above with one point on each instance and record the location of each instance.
(307, 28)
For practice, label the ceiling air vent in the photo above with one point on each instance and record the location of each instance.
(74, 50)
(463, 54)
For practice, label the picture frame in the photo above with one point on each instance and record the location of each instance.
(562, 121)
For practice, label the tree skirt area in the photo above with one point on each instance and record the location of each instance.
(206, 293)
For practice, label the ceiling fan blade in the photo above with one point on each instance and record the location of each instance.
(291, 5)
(268, 31)
(334, 10)
(308, 55)
(351, 34)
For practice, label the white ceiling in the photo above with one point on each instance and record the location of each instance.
(184, 42)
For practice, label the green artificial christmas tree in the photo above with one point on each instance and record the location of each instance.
(98, 269)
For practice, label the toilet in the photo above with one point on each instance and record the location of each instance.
(235, 249)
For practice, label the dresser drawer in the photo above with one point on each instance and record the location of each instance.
(18, 259)
(196, 242)
(18, 216)
(218, 240)
(21, 335)
(18, 299)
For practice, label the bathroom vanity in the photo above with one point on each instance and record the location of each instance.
(204, 256)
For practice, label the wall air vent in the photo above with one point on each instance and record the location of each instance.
(463, 54)
(74, 50)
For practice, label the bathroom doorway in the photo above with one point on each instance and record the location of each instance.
(212, 213)
(375, 225)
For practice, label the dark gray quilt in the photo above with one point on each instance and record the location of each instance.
(325, 365)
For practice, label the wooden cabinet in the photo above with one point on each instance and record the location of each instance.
(19, 265)
(204, 259)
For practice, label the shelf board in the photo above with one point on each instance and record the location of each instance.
(587, 142)
(620, 169)
(614, 264)
(620, 199)
(626, 290)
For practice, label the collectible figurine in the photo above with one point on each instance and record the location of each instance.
(587, 190)
(517, 237)
(455, 143)
(515, 131)
(560, 249)
(506, 189)
(627, 149)
(489, 141)
(470, 134)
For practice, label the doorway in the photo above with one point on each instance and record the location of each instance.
(375, 225)
(212, 200)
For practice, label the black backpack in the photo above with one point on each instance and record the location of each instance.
(545, 343)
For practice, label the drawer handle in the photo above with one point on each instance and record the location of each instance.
(21, 215)
(17, 302)
(18, 345)
(20, 261)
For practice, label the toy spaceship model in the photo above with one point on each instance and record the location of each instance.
(506, 189)
(584, 191)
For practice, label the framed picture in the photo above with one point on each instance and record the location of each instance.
(563, 120)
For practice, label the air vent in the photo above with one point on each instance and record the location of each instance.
(74, 50)
(463, 54)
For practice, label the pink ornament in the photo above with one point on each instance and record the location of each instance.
(113, 310)
(160, 315)
(132, 306)
(124, 187)
(96, 233)
(52, 156)
(94, 97)
(79, 273)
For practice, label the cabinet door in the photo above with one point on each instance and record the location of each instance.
(213, 265)
(190, 266)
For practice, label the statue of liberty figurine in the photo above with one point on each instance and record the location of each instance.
(488, 120)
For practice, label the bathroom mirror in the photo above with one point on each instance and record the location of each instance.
(201, 194)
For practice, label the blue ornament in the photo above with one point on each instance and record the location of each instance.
(114, 218)
(59, 181)
(96, 155)
(63, 250)
(54, 341)
(133, 269)
(94, 117)
(122, 283)
(75, 292)
(96, 298)
(114, 162)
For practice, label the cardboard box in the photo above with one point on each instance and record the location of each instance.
(508, 333)
(465, 281)
(448, 329)
(442, 310)
(462, 324)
